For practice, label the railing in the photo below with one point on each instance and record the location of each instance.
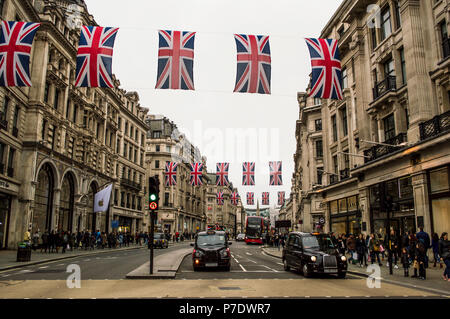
(435, 126)
(446, 48)
(3, 121)
(378, 151)
(380, 88)
(334, 179)
(131, 184)
(345, 173)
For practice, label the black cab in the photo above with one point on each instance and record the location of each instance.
(313, 253)
(211, 249)
(160, 240)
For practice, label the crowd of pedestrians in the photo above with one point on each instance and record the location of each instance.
(55, 241)
(410, 250)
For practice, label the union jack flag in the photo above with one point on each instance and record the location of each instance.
(94, 57)
(275, 173)
(253, 64)
(250, 199)
(16, 39)
(222, 174)
(196, 174)
(171, 173)
(265, 198)
(176, 60)
(234, 198)
(248, 177)
(219, 197)
(326, 69)
(281, 198)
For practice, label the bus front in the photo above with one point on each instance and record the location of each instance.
(253, 230)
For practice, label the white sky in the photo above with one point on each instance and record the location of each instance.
(212, 115)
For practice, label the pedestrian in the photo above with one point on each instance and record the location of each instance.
(27, 237)
(444, 253)
(374, 248)
(393, 247)
(405, 261)
(35, 240)
(381, 247)
(424, 238)
(44, 238)
(435, 247)
(420, 259)
(65, 241)
(361, 250)
(351, 246)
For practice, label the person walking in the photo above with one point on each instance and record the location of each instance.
(424, 238)
(405, 261)
(35, 240)
(44, 238)
(393, 247)
(65, 241)
(435, 247)
(374, 248)
(421, 260)
(444, 253)
(361, 250)
(351, 246)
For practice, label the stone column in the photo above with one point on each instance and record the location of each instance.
(55, 209)
(421, 199)
(419, 86)
(133, 226)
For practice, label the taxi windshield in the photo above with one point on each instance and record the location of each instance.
(210, 240)
(158, 236)
(318, 242)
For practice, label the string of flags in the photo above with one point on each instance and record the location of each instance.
(175, 60)
(248, 179)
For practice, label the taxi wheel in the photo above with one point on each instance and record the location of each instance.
(305, 271)
(285, 265)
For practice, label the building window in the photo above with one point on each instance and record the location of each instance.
(2, 155)
(11, 162)
(116, 195)
(119, 123)
(373, 34)
(344, 121)
(166, 199)
(346, 160)
(335, 164)
(156, 164)
(318, 124)
(56, 101)
(126, 128)
(389, 127)
(386, 27)
(46, 90)
(125, 146)
(389, 68)
(344, 79)
(403, 65)
(16, 118)
(317, 101)
(407, 118)
(334, 125)
(5, 108)
(135, 156)
(98, 130)
(142, 139)
(156, 134)
(157, 148)
(75, 107)
(398, 18)
(445, 39)
(319, 176)
(319, 148)
(68, 109)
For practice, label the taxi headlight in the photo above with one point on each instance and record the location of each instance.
(343, 258)
(224, 253)
(313, 259)
(198, 253)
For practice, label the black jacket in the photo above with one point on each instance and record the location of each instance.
(444, 249)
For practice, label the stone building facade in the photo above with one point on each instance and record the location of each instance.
(182, 207)
(389, 136)
(57, 142)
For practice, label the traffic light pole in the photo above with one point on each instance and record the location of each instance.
(152, 233)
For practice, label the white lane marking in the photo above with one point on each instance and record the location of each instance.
(43, 267)
(270, 268)
(25, 271)
(252, 261)
(243, 268)
(60, 265)
(248, 254)
(238, 256)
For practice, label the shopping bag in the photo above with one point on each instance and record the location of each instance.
(381, 248)
(355, 255)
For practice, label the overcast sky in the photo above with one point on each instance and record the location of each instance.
(213, 116)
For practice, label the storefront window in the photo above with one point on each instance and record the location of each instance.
(354, 225)
(4, 210)
(440, 200)
(406, 190)
(339, 225)
(392, 189)
(439, 180)
(343, 205)
(352, 204)
(334, 207)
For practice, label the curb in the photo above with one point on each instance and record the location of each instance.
(269, 253)
(32, 263)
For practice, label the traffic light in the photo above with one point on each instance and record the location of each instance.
(153, 193)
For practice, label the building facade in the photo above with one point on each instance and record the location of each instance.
(388, 138)
(182, 207)
(58, 142)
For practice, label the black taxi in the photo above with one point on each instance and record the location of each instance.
(211, 249)
(313, 253)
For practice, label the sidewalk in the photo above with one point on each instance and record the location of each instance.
(433, 282)
(8, 257)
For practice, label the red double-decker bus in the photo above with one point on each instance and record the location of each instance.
(254, 229)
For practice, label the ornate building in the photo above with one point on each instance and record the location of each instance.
(60, 144)
(389, 136)
(182, 207)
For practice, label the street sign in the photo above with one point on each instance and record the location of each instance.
(153, 205)
(321, 220)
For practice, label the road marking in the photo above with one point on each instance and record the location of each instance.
(242, 268)
(248, 254)
(270, 268)
(252, 261)
(280, 264)
(60, 265)
(43, 267)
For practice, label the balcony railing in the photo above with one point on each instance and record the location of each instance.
(345, 173)
(334, 179)
(129, 183)
(446, 48)
(380, 88)
(378, 151)
(3, 121)
(435, 126)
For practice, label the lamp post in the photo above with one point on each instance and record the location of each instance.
(388, 212)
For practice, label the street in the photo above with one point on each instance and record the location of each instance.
(253, 274)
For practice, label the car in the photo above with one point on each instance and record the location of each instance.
(211, 249)
(313, 253)
(160, 240)
(240, 237)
